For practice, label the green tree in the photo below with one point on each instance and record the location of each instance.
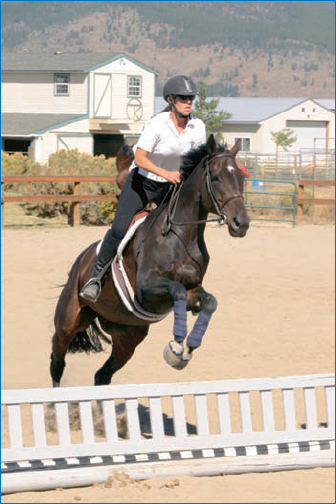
(207, 111)
(283, 138)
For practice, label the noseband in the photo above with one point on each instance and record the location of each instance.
(222, 218)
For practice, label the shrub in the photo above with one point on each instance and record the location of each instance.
(65, 163)
(17, 164)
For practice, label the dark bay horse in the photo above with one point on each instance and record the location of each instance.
(124, 158)
(166, 261)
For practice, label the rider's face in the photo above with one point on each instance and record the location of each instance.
(183, 104)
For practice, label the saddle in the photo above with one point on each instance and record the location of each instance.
(120, 279)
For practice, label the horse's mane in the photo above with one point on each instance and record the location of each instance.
(195, 156)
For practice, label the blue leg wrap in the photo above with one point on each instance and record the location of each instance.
(180, 320)
(201, 324)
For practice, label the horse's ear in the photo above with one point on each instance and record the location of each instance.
(211, 144)
(236, 148)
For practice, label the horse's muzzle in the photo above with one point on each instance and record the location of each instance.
(238, 225)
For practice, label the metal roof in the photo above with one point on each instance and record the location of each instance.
(252, 109)
(33, 124)
(327, 103)
(61, 62)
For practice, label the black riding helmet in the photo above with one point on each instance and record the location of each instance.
(179, 85)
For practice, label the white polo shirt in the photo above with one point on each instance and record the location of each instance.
(165, 146)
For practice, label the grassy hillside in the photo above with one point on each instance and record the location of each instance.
(239, 48)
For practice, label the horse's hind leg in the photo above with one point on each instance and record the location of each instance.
(57, 362)
(124, 341)
(69, 319)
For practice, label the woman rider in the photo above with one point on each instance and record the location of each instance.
(165, 138)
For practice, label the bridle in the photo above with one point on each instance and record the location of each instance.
(219, 208)
(221, 219)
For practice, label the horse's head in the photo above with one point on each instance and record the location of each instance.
(127, 150)
(124, 158)
(222, 193)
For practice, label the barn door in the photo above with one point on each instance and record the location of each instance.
(102, 95)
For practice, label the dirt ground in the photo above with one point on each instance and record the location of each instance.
(275, 317)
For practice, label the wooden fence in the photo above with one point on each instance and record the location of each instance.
(76, 197)
(302, 200)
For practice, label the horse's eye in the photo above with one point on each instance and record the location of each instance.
(215, 178)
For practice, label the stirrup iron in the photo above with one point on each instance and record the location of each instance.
(90, 296)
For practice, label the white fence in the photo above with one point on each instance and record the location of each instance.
(76, 436)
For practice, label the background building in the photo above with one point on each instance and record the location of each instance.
(93, 102)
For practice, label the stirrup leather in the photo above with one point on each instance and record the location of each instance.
(87, 295)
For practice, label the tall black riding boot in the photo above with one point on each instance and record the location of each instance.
(108, 249)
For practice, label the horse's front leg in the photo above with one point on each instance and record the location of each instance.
(155, 288)
(197, 300)
(205, 303)
(201, 302)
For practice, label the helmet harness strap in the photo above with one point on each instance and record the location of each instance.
(172, 105)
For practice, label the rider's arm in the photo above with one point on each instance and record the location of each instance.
(142, 161)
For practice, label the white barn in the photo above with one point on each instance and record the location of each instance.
(94, 102)
(253, 119)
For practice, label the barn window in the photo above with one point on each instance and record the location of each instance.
(134, 87)
(245, 143)
(61, 84)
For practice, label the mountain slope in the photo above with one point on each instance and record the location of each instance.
(252, 48)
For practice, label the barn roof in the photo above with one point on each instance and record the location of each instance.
(32, 124)
(61, 62)
(254, 109)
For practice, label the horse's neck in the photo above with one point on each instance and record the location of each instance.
(189, 207)
(191, 213)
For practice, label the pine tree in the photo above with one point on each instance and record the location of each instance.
(206, 110)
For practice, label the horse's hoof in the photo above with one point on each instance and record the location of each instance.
(175, 355)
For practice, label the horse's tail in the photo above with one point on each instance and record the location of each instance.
(90, 340)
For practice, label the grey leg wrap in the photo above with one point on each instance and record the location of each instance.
(195, 337)
(180, 320)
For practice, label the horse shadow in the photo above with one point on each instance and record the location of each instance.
(144, 418)
(168, 423)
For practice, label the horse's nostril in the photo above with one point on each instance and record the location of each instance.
(236, 222)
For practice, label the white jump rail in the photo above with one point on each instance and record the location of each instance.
(182, 435)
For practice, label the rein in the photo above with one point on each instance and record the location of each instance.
(221, 219)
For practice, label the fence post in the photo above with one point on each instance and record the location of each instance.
(314, 173)
(2, 205)
(299, 206)
(74, 214)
